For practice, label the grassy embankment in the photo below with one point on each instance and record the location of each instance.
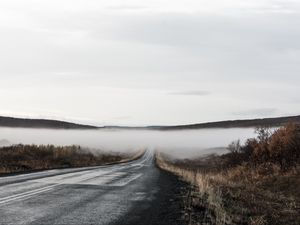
(258, 183)
(21, 158)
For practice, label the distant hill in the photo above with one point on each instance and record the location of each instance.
(40, 123)
(272, 122)
(56, 124)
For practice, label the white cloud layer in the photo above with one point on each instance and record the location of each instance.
(116, 62)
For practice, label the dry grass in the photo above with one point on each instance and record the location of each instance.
(19, 158)
(242, 195)
(255, 184)
(209, 195)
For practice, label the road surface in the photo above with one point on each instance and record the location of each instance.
(129, 193)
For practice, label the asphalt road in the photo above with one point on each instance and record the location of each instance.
(130, 193)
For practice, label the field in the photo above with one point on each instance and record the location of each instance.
(21, 158)
(257, 183)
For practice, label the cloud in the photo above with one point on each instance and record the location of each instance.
(257, 112)
(122, 117)
(157, 54)
(195, 92)
(275, 6)
(128, 7)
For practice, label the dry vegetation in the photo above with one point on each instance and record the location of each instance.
(19, 158)
(257, 183)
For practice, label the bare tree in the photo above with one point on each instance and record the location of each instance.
(235, 147)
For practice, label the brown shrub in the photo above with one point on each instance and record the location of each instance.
(284, 147)
(255, 184)
(281, 147)
(19, 158)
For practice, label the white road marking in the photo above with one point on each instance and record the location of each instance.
(26, 194)
(26, 175)
(91, 178)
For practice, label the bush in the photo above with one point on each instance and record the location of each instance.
(281, 147)
(284, 146)
(18, 158)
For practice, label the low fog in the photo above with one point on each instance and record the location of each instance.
(181, 144)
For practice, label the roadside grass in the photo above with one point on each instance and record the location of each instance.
(235, 189)
(22, 158)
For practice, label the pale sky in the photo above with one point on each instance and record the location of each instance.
(150, 62)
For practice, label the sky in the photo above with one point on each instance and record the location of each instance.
(150, 62)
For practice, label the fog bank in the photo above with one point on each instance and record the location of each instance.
(183, 143)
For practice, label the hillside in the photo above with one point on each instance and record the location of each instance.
(56, 124)
(272, 122)
(40, 123)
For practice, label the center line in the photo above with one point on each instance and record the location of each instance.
(26, 194)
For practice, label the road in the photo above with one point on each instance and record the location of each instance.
(129, 193)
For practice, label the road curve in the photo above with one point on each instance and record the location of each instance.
(116, 194)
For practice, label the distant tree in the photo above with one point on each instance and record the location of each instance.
(263, 134)
(261, 150)
(235, 147)
(235, 150)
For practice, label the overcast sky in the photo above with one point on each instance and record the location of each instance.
(133, 62)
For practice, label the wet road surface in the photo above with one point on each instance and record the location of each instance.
(129, 193)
